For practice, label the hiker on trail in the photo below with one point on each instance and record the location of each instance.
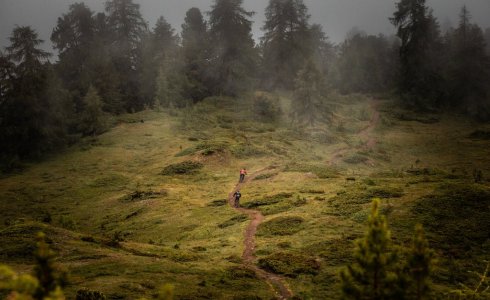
(237, 196)
(243, 172)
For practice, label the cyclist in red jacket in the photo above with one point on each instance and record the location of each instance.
(243, 172)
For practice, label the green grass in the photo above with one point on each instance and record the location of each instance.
(123, 229)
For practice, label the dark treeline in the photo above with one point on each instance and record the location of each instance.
(113, 62)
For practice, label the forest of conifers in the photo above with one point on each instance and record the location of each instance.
(114, 62)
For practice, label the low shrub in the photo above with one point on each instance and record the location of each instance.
(86, 294)
(356, 159)
(456, 217)
(233, 221)
(266, 107)
(281, 226)
(289, 264)
(265, 176)
(480, 135)
(143, 195)
(219, 202)
(183, 168)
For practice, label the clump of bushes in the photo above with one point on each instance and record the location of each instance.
(320, 171)
(356, 159)
(233, 221)
(289, 264)
(265, 176)
(143, 195)
(86, 294)
(245, 150)
(205, 148)
(281, 226)
(183, 168)
(268, 200)
(457, 217)
(266, 107)
(480, 135)
(219, 202)
(384, 192)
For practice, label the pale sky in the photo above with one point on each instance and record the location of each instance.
(336, 16)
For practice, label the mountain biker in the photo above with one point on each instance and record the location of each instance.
(243, 172)
(237, 197)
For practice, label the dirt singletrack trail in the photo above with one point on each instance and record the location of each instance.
(276, 282)
(365, 134)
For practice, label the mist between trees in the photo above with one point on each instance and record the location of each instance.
(113, 62)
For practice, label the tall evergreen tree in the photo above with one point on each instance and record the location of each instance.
(127, 29)
(372, 275)
(73, 37)
(158, 45)
(366, 63)
(25, 110)
(419, 35)
(6, 76)
(196, 54)
(234, 57)
(309, 94)
(322, 51)
(285, 40)
(419, 266)
(93, 119)
(487, 39)
(469, 68)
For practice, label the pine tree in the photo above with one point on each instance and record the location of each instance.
(372, 275)
(419, 34)
(419, 266)
(74, 37)
(365, 64)
(26, 108)
(469, 68)
(234, 55)
(49, 278)
(285, 46)
(159, 45)
(308, 98)
(127, 28)
(93, 119)
(196, 54)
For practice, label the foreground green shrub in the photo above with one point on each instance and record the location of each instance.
(378, 272)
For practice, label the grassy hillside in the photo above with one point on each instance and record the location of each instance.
(145, 203)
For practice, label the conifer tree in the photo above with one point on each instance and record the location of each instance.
(74, 37)
(49, 278)
(372, 274)
(196, 54)
(469, 68)
(93, 119)
(25, 109)
(159, 45)
(126, 29)
(419, 266)
(234, 56)
(285, 41)
(420, 38)
(308, 98)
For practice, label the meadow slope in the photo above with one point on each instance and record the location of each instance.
(146, 203)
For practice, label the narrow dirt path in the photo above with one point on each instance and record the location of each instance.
(364, 134)
(276, 282)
